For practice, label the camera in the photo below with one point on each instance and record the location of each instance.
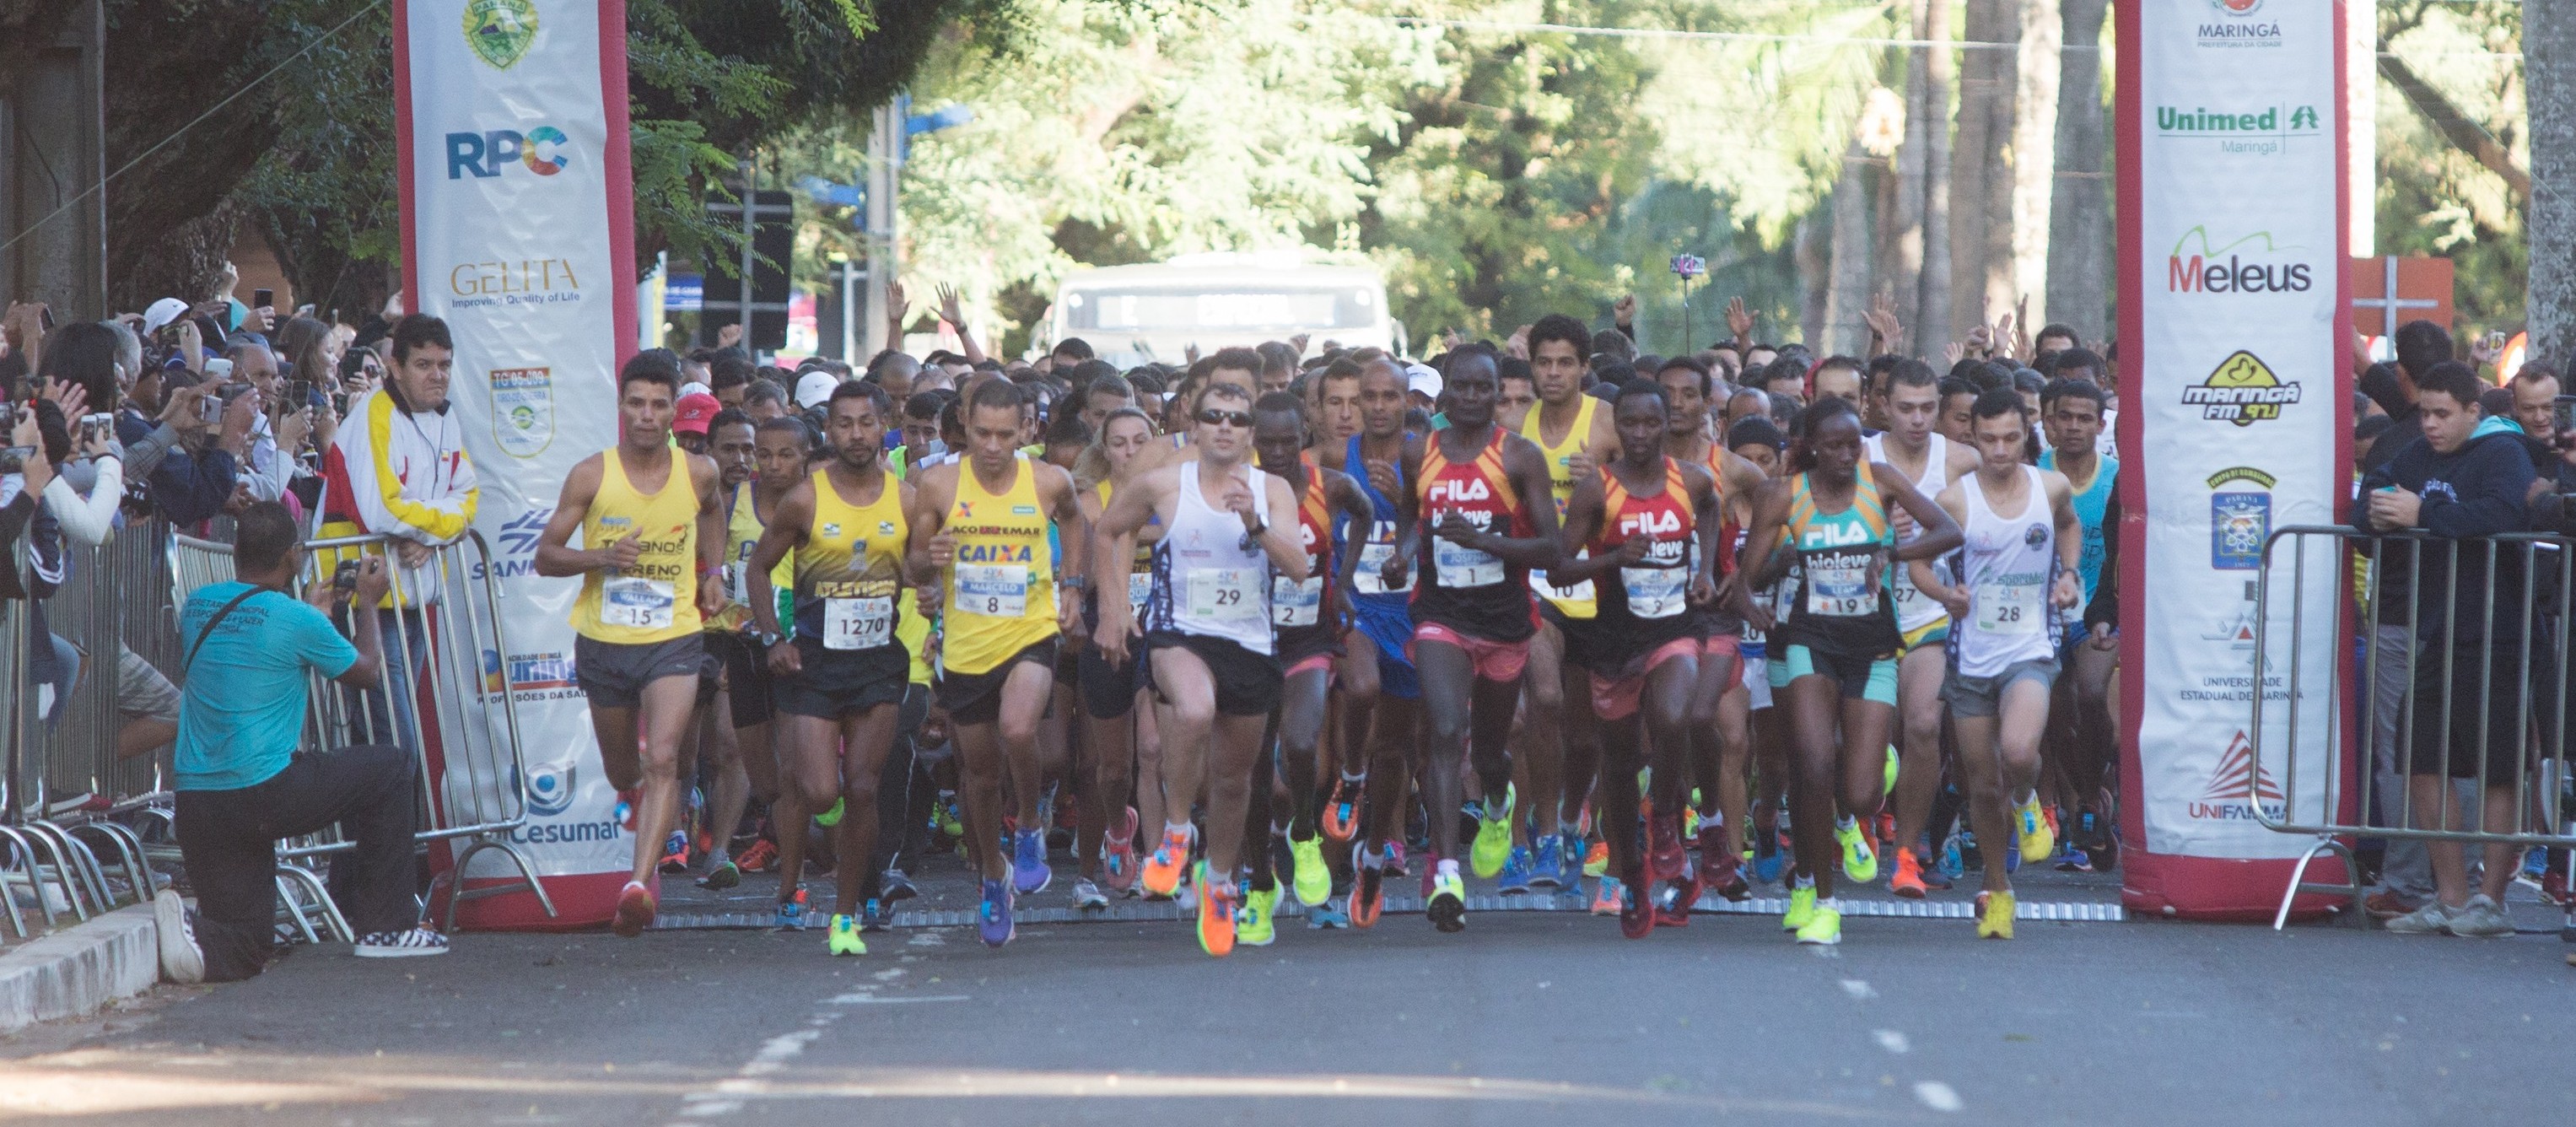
(344, 579)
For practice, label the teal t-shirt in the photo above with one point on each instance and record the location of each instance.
(241, 712)
(2090, 507)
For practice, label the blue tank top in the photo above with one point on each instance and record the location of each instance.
(1369, 585)
(2089, 508)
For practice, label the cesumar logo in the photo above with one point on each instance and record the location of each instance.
(549, 789)
(2241, 390)
(2194, 266)
(544, 150)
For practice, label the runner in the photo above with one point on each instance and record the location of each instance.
(1208, 643)
(2084, 738)
(1557, 751)
(1749, 706)
(841, 678)
(1716, 753)
(2003, 654)
(759, 465)
(649, 518)
(1839, 644)
(1911, 401)
(1476, 490)
(980, 526)
(1111, 693)
(1651, 523)
(1310, 617)
(1381, 691)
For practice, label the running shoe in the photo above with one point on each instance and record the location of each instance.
(1515, 880)
(1163, 869)
(1767, 855)
(1342, 810)
(841, 937)
(2481, 918)
(1886, 838)
(1673, 902)
(1313, 878)
(675, 852)
(1665, 858)
(399, 944)
(1493, 838)
(182, 960)
(1596, 856)
(1690, 820)
(1029, 872)
(1327, 916)
(1547, 867)
(1368, 881)
(2071, 858)
(1447, 904)
(791, 913)
(893, 885)
(1087, 896)
(635, 909)
(1216, 915)
(2037, 837)
(1118, 855)
(1908, 881)
(875, 915)
(721, 877)
(626, 802)
(1256, 923)
(1859, 863)
(1638, 917)
(1721, 868)
(1609, 897)
(943, 815)
(1995, 915)
(832, 817)
(993, 916)
(1802, 908)
(762, 857)
(1824, 929)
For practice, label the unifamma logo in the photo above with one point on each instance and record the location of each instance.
(2238, 786)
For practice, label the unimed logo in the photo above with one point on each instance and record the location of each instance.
(2250, 264)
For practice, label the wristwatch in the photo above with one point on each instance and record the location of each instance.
(1074, 582)
(768, 638)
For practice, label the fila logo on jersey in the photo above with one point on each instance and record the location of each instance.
(1651, 523)
(1473, 489)
(1836, 536)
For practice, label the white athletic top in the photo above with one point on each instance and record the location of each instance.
(2007, 565)
(1209, 578)
(1914, 610)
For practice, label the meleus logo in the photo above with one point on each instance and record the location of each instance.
(543, 150)
(2194, 266)
(2241, 390)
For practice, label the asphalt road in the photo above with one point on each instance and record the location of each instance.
(1526, 1018)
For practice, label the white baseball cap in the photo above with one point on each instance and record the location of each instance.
(693, 387)
(814, 388)
(1421, 378)
(161, 313)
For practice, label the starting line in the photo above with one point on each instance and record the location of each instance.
(2057, 911)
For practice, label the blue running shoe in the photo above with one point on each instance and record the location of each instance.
(1029, 872)
(791, 913)
(993, 916)
(1329, 915)
(875, 916)
(1514, 880)
(1768, 860)
(1549, 869)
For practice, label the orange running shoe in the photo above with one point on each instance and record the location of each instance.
(1163, 870)
(762, 857)
(1908, 881)
(635, 909)
(1342, 810)
(1216, 914)
(1596, 859)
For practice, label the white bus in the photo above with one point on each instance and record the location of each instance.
(1132, 315)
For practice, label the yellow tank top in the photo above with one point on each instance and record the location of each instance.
(850, 571)
(742, 534)
(1001, 587)
(1578, 600)
(657, 599)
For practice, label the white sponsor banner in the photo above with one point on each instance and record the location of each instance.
(2237, 262)
(517, 207)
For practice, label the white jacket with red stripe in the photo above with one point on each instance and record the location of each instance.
(400, 473)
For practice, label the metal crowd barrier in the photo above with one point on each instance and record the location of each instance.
(465, 751)
(2521, 694)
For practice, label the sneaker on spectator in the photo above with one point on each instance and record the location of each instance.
(401, 944)
(2481, 918)
(181, 960)
(2434, 918)
(2386, 904)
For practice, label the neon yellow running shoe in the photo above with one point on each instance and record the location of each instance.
(1255, 922)
(1493, 838)
(1860, 863)
(1996, 920)
(1825, 930)
(2037, 840)
(844, 938)
(1802, 908)
(1314, 882)
(1447, 904)
(1891, 769)
(831, 817)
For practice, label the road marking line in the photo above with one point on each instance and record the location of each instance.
(1858, 989)
(1937, 1096)
(1892, 1041)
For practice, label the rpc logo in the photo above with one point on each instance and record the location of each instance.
(543, 149)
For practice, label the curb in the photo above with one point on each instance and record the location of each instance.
(80, 969)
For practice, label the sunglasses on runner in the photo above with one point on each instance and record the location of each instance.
(1240, 420)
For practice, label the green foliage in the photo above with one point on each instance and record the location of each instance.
(2434, 199)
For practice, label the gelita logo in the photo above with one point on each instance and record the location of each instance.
(1472, 489)
(2251, 264)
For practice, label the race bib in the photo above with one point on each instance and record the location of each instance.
(1459, 566)
(1840, 590)
(1653, 592)
(857, 624)
(1296, 604)
(993, 590)
(1140, 587)
(1223, 592)
(2009, 608)
(1371, 579)
(644, 604)
(1580, 593)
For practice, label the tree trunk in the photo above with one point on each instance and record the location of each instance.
(2034, 157)
(1900, 258)
(1848, 293)
(1928, 327)
(2549, 65)
(2079, 215)
(1980, 174)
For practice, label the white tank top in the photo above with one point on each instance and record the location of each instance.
(2007, 565)
(1915, 610)
(1209, 578)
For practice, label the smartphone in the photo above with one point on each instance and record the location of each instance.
(345, 578)
(219, 369)
(14, 459)
(299, 394)
(45, 318)
(262, 299)
(2562, 413)
(95, 424)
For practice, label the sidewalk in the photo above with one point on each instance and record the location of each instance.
(78, 969)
